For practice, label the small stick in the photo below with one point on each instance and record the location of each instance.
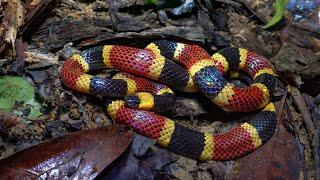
(306, 117)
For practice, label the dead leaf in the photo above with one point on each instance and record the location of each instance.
(141, 162)
(82, 155)
(312, 23)
(300, 38)
(246, 34)
(279, 158)
(262, 9)
(297, 61)
(8, 120)
(14, 15)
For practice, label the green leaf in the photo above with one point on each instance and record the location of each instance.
(279, 7)
(16, 89)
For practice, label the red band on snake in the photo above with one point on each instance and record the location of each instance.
(183, 67)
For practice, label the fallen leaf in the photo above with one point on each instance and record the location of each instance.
(296, 61)
(311, 23)
(8, 120)
(141, 161)
(80, 155)
(16, 89)
(301, 38)
(14, 15)
(279, 158)
(260, 8)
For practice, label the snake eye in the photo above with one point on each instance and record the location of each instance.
(210, 84)
(132, 101)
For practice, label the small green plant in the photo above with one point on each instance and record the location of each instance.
(279, 8)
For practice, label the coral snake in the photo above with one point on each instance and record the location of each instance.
(185, 67)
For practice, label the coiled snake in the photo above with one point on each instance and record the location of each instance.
(201, 72)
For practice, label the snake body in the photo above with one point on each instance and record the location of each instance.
(161, 61)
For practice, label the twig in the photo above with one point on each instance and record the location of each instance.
(302, 107)
(315, 115)
(310, 127)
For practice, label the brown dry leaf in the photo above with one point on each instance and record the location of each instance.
(14, 15)
(312, 23)
(8, 120)
(260, 8)
(279, 158)
(301, 38)
(246, 34)
(294, 61)
(80, 155)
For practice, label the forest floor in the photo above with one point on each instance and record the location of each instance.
(51, 31)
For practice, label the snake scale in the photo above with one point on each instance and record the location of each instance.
(184, 67)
